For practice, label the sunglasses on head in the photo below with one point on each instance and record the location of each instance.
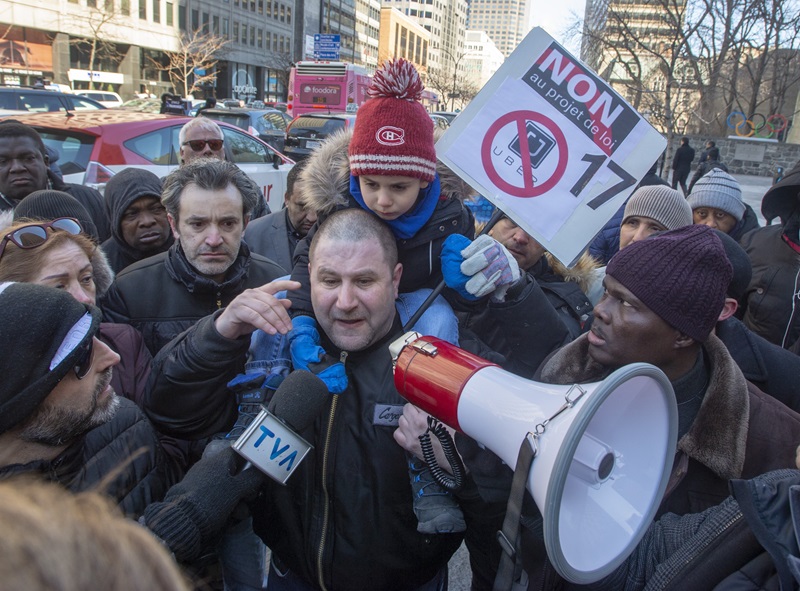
(199, 145)
(33, 235)
(84, 362)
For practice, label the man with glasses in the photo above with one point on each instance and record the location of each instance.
(59, 416)
(201, 138)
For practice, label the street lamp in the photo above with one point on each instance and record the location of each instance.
(454, 94)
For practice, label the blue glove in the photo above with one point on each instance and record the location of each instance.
(451, 265)
(308, 355)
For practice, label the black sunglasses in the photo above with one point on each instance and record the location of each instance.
(199, 145)
(33, 235)
(84, 362)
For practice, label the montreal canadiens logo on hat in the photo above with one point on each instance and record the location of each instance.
(388, 135)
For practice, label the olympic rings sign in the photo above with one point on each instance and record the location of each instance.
(757, 125)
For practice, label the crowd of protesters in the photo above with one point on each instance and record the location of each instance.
(144, 329)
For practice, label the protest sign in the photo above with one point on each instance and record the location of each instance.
(552, 145)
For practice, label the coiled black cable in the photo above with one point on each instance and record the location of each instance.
(454, 482)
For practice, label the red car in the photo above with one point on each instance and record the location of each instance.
(93, 146)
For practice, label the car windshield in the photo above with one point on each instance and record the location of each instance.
(240, 120)
(319, 125)
(74, 149)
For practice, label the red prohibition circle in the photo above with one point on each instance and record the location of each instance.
(520, 118)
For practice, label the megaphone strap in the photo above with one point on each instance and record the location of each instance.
(507, 536)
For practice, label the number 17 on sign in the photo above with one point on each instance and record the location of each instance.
(595, 162)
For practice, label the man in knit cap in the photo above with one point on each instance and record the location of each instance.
(139, 224)
(663, 297)
(716, 201)
(59, 416)
(653, 209)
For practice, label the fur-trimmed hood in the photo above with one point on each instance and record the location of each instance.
(325, 179)
(717, 437)
(582, 272)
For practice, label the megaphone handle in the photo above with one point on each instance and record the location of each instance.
(507, 536)
(452, 483)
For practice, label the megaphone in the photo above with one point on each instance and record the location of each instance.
(604, 450)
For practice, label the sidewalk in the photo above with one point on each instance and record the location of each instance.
(753, 189)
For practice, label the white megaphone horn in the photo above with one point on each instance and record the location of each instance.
(604, 450)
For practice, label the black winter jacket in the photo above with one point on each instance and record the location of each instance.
(85, 463)
(772, 309)
(772, 369)
(348, 508)
(354, 483)
(164, 295)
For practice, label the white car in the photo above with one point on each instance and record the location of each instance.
(105, 98)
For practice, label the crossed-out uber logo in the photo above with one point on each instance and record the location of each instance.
(389, 135)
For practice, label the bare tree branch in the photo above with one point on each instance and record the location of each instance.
(193, 64)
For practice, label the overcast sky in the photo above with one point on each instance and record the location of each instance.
(555, 16)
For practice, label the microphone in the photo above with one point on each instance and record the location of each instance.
(271, 442)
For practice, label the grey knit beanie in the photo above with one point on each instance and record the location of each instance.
(659, 203)
(44, 331)
(719, 190)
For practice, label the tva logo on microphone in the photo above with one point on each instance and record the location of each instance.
(271, 446)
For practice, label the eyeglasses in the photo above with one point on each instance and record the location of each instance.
(85, 361)
(199, 145)
(33, 235)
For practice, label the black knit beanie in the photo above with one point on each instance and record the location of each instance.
(48, 205)
(43, 330)
(740, 262)
(682, 275)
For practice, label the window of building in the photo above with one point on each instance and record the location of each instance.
(215, 24)
(181, 17)
(283, 13)
(170, 18)
(143, 9)
(252, 35)
(125, 7)
(260, 43)
(260, 6)
(236, 31)
(195, 18)
(91, 3)
(156, 11)
(225, 23)
(289, 16)
(206, 23)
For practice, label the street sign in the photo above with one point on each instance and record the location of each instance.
(326, 47)
(552, 145)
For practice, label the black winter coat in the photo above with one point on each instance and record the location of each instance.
(772, 310)
(85, 463)
(163, 295)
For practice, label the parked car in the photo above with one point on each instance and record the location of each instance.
(93, 146)
(440, 121)
(306, 132)
(142, 105)
(266, 124)
(449, 115)
(18, 98)
(109, 99)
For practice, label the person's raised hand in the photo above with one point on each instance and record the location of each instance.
(255, 309)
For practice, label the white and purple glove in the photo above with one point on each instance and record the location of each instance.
(478, 268)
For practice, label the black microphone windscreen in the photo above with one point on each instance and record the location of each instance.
(299, 399)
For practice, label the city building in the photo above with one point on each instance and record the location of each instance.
(402, 36)
(483, 58)
(505, 21)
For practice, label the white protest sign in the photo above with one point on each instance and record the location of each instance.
(552, 145)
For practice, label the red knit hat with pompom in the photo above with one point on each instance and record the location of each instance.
(393, 134)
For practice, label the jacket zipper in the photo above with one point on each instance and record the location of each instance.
(219, 300)
(326, 501)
